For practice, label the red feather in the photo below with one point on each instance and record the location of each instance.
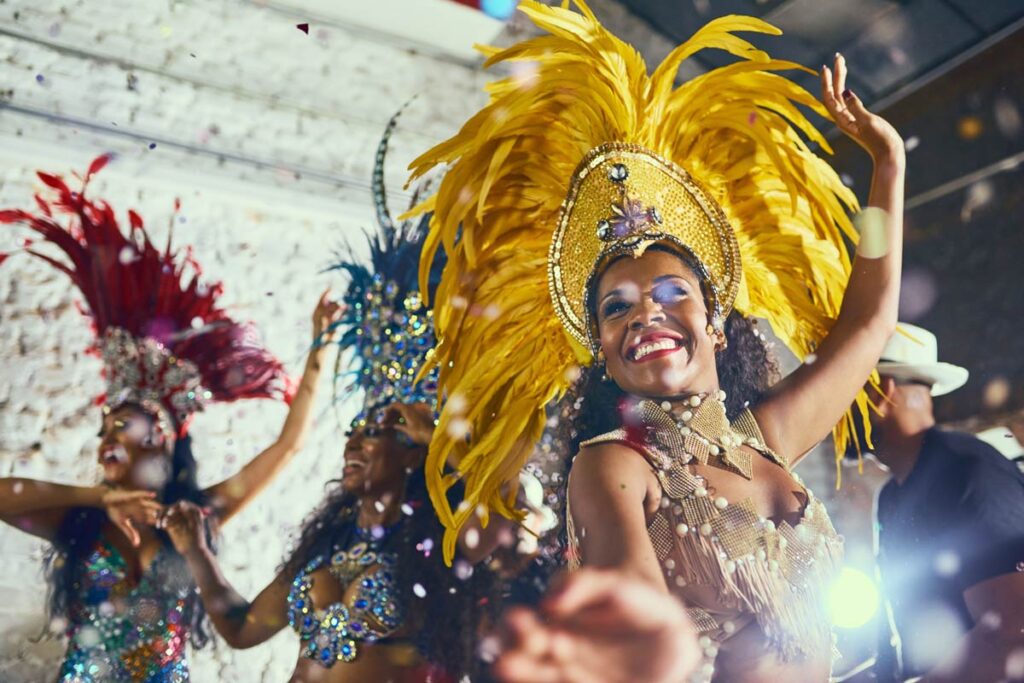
(97, 164)
(127, 283)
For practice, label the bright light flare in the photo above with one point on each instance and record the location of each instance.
(852, 599)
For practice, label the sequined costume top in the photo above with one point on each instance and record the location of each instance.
(119, 632)
(729, 564)
(371, 611)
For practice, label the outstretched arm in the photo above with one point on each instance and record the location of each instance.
(802, 409)
(234, 493)
(38, 507)
(241, 623)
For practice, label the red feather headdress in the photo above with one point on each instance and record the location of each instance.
(165, 343)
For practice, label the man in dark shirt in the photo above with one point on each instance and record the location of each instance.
(950, 532)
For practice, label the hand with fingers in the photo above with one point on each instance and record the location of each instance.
(415, 420)
(601, 627)
(876, 135)
(184, 522)
(129, 509)
(326, 314)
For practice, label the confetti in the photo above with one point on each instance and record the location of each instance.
(419, 590)
(152, 145)
(303, 27)
(947, 563)
(40, 78)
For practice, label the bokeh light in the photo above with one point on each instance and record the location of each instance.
(852, 599)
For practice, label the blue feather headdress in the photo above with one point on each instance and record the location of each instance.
(386, 331)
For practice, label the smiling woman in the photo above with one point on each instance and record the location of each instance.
(169, 349)
(363, 590)
(665, 219)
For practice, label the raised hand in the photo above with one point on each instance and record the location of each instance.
(415, 420)
(876, 135)
(128, 509)
(184, 523)
(599, 627)
(327, 313)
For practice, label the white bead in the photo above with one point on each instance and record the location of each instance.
(773, 564)
(714, 450)
(721, 503)
(729, 627)
(680, 581)
(705, 529)
(704, 642)
(700, 492)
(681, 529)
(783, 543)
(685, 431)
(761, 554)
(677, 510)
(769, 525)
(666, 406)
(686, 416)
(695, 400)
(670, 563)
(721, 395)
(730, 567)
(726, 440)
(665, 502)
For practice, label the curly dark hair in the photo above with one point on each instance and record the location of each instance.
(82, 528)
(457, 600)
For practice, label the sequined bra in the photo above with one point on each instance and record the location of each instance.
(775, 574)
(119, 632)
(330, 634)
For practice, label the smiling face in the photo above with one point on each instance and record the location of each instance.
(132, 451)
(652, 323)
(378, 457)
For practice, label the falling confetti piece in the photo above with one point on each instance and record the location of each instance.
(912, 143)
(3, 257)
(152, 145)
(40, 78)
(419, 590)
(303, 27)
(751, 118)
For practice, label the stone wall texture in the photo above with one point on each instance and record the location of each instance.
(267, 135)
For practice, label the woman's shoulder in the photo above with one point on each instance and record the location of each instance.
(611, 456)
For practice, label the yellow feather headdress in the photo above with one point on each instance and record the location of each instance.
(507, 343)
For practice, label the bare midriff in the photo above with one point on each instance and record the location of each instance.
(398, 662)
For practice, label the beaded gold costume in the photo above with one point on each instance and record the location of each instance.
(772, 573)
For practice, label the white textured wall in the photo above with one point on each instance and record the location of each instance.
(267, 135)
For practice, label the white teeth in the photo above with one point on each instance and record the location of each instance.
(660, 345)
(117, 454)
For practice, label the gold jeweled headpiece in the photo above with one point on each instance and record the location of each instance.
(623, 199)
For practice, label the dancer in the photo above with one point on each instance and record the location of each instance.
(365, 590)
(950, 529)
(168, 350)
(661, 220)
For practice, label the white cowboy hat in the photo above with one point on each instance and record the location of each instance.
(913, 354)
